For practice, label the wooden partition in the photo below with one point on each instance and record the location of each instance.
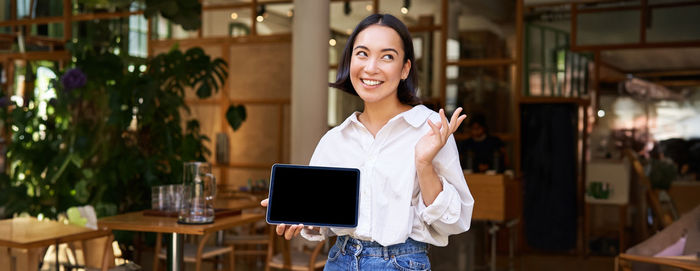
(260, 79)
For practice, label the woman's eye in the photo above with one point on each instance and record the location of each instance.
(361, 53)
(388, 57)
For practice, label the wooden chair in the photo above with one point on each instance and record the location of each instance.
(624, 262)
(195, 253)
(280, 256)
(250, 243)
(90, 254)
(662, 218)
(646, 255)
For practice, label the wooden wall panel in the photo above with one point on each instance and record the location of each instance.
(260, 71)
(209, 123)
(239, 177)
(256, 141)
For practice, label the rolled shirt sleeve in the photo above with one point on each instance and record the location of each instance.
(445, 208)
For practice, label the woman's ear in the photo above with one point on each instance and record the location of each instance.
(406, 69)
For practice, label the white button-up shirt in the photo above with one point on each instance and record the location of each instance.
(391, 205)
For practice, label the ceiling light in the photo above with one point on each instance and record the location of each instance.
(290, 13)
(369, 7)
(260, 18)
(404, 10)
(332, 42)
(234, 15)
(601, 113)
(348, 31)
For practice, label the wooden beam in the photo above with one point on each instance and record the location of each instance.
(609, 9)
(226, 6)
(253, 17)
(678, 83)
(667, 73)
(553, 100)
(67, 21)
(482, 62)
(643, 19)
(217, 40)
(673, 5)
(561, 3)
(608, 65)
(54, 55)
(443, 53)
(517, 90)
(424, 28)
(574, 26)
(610, 47)
(105, 15)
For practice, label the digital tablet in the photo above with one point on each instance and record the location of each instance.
(313, 196)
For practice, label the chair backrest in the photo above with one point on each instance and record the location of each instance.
(662, 218)
(280, 247)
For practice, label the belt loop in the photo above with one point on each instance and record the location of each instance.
(345, 242)
(385, 252)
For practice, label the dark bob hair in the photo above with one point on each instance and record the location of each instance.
(407, 87)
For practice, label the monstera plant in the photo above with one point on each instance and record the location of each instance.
(109, 134)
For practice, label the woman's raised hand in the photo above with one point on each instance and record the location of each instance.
(431, 143)
(288, 231)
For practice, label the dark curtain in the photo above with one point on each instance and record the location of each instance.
(549, 173)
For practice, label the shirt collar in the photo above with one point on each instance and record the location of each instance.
(415, 116)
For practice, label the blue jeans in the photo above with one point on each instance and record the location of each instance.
(352, 254)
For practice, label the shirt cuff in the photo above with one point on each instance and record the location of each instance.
(315, 236)
(443, 207)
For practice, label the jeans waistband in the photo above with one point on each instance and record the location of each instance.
(351, 245)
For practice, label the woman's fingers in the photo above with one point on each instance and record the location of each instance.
(263, 203)
(292, 231)
(288, 231)
(280, 229)
(443, 119)
(435, 127)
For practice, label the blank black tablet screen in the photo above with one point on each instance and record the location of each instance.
(318, 196)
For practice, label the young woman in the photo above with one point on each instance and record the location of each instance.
(413, 191)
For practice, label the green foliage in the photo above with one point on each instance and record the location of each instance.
(106, 142)
(186, 13)
(662, 173)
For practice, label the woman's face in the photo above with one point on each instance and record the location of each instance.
(377, 66)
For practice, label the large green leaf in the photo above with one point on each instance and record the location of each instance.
(235, 115)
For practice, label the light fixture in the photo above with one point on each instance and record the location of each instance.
(348, 31)
(601, 113)
(369, 7)
(346, 8)
(234, 15)
(406, 6)
(261, 14)
(332, 42)
(290, 12)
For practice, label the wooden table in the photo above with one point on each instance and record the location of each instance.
(31, 234)
(496, 199)
(136, 221)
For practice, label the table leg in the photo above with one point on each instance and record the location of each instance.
(493, 231)
(26, 259)
(219, 242)
(5, 258)
(174, 257)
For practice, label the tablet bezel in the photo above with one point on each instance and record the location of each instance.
(271, 196)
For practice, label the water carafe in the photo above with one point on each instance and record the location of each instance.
(199, 190)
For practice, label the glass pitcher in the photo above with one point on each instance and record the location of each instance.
(199, 190)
